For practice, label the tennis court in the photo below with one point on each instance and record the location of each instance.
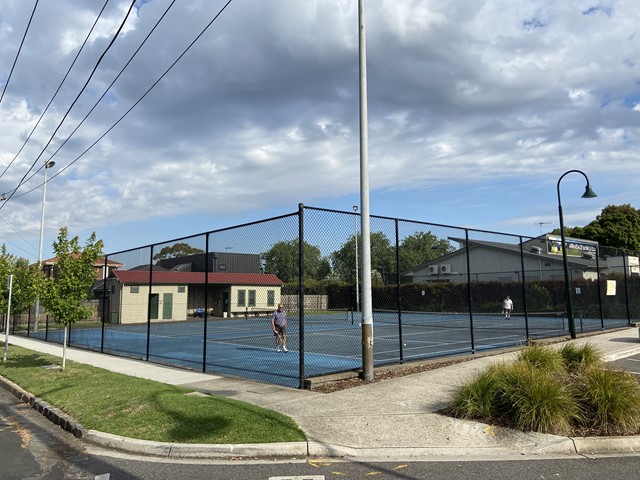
(244, 347)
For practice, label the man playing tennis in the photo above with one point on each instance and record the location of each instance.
(279, 327)
(507, 307)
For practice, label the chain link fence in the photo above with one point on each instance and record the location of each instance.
(206, 302)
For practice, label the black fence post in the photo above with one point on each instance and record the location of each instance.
(104, 302)
(206, 304)
(399, 294)
(524, 291)
(626, 285)
(469, 297)
(150, 296)
(599, 287)
(301, 291)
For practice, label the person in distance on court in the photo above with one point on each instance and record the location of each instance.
(507, 307)
(279, 327)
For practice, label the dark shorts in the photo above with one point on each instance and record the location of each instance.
(280, 330)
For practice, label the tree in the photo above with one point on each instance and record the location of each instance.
(177, 250)
(282, 261)
(70, 285)
(26, 279)
(420, 248)
(383, 259)
(616, 226)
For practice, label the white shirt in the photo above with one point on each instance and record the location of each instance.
(507, 304)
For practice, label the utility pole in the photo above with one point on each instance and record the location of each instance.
(367, 309)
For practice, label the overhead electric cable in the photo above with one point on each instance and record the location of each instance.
(57, 90)
(202, 32)
(14, 231)
(101, 97)
(74, 101)
(15, 60)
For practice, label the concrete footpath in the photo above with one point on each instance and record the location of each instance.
(392, 419)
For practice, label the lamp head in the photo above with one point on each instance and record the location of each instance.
(588, 193)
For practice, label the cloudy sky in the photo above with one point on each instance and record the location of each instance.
(475, 110)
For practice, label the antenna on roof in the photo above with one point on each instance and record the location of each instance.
(540, 225)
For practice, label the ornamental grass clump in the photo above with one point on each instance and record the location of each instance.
(610, 400)
(543, 358)
(570, 391)
(537, 399)
(577, 358)
(478, 398)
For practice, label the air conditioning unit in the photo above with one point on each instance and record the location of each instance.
(445, 268)
(433, 269)
(537, 250)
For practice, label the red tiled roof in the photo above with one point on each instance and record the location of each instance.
(197, 278)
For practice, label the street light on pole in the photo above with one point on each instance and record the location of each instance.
(355, 237)
(588, 193)
(47, 166)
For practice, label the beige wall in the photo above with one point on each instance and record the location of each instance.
(133, 307)
(261, 299)
(127, 307)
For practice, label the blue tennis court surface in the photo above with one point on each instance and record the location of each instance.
(245, 347)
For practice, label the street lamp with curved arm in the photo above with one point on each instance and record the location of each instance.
(588, 193)
(47, 166)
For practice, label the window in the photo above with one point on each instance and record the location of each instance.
(182, 288)
(241, 298)
(252, 298)
(271, 298)
(134, 289)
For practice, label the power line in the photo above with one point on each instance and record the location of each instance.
(74, 102)
(57, 90)
(14, 231)
(202, 32)
(97, 102)
(15, 60)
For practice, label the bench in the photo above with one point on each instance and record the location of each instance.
(255, 312)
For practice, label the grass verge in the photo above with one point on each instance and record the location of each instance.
(137, 408)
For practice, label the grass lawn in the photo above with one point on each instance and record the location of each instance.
(138, 408)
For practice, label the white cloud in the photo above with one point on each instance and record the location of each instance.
(263, 111)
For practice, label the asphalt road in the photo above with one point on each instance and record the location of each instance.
(31, 447)
(631, 364)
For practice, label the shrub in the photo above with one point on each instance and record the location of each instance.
(580, 357)
(478, 398)
(543, 358)
(537, 399)
(539, 298)
(609, 399)
(553, 391)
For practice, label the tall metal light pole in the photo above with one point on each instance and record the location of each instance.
(367, 308)
(47, 166)
(355, 237)
(588, 193)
